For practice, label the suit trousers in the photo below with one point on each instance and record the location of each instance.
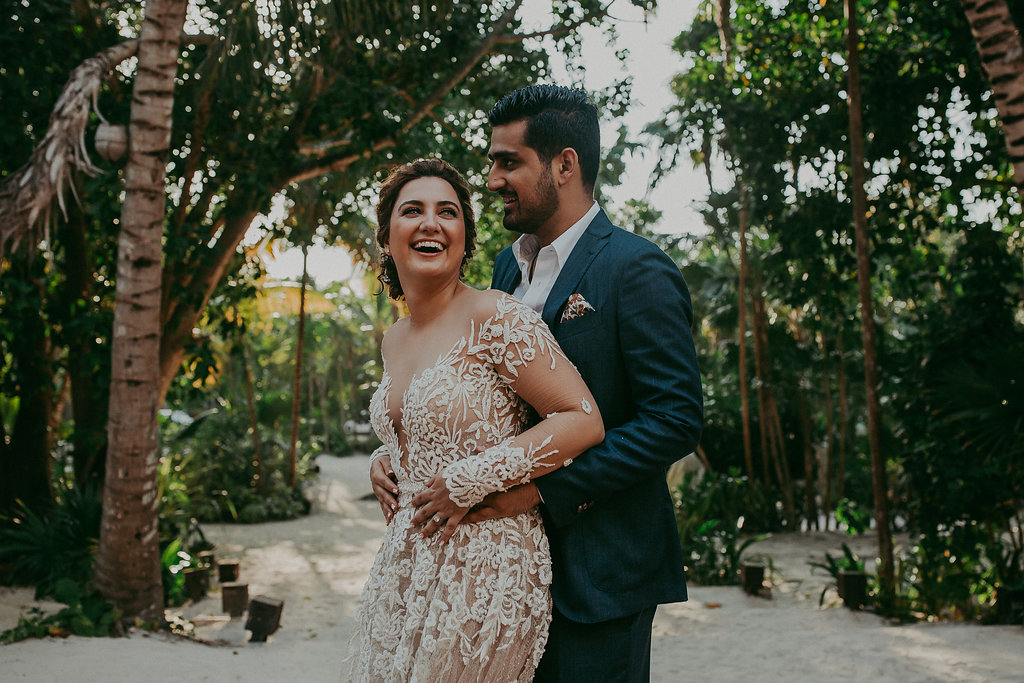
(615, 651)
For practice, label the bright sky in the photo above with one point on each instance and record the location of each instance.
(652, 64)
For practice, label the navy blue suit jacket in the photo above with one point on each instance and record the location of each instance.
(609, 515)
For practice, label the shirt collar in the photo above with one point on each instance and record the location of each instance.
(526, 248)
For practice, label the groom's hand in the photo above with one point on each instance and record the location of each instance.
(516, 500)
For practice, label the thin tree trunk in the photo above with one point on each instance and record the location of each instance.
(724, 20)
(311, 404)
(741, 300)
(878, 475)
(844, 415)
(321, 385)
(771, 423)
(257, 459)
(1002, 56)
(810, 502)
(343, 393)
(297, 385)
(352, 393)
(128, 560)
(828, 467)
(89, 400)
(703, 457)
(777, 447)
(25, 460)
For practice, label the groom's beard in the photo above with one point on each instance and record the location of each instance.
(530, 213)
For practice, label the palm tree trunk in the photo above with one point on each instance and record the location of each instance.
(878, 475)
(1002, 56)
(128, 560)
(297, 386)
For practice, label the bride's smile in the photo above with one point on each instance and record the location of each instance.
(427, 231)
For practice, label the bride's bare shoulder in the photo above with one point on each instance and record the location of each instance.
(394, 335)
(488, 302)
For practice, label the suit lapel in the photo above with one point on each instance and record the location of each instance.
(506, 273)
(591, 242)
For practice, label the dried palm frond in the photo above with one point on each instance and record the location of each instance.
(27, 195)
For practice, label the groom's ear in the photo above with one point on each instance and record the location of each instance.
(567, 166)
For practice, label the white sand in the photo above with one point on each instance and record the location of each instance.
(317, 566)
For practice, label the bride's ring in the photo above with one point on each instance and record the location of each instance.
(437, 520)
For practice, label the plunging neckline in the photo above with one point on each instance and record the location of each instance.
(396, 430)
(417, 375)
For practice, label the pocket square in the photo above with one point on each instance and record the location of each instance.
(575, 307)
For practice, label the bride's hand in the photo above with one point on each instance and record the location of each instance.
(385, 486)
(435, 510)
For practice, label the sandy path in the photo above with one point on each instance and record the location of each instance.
(318, 564)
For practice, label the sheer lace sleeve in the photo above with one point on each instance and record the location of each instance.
(526, 356)
(379, 451)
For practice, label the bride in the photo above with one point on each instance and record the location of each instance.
(465, 376)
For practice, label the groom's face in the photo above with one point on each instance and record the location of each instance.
(524, 181)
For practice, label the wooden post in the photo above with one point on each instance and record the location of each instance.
(228, 571)
(1009, 605)
(751, 577)
(264, 617)
(197, 582)
(206, 558)
(853, 588)
(234, 597)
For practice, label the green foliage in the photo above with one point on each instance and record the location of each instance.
(173, 562)
(854, 517)
(960, 408)
(46, 547)
(834, 566)
(286, 99)
(719, 516)
(947, 279)
(208, 468)
(86, 614)
(952, 575)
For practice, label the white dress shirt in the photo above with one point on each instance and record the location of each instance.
(547, 262)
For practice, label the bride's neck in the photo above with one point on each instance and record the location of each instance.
(426, 306)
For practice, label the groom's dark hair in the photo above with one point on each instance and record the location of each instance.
(556, 117)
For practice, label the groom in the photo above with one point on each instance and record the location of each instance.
(620, 310)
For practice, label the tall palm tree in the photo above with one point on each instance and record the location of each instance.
(128, 560)
(1002, 56)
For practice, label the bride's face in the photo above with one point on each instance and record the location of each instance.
(427, 231)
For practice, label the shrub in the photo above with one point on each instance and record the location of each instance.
(46, 546)
(86, 614)
(209, 471)
(718, 516)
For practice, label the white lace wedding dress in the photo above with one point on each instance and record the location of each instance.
(478, 608)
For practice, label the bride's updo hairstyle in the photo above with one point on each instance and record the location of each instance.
(393, 184)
